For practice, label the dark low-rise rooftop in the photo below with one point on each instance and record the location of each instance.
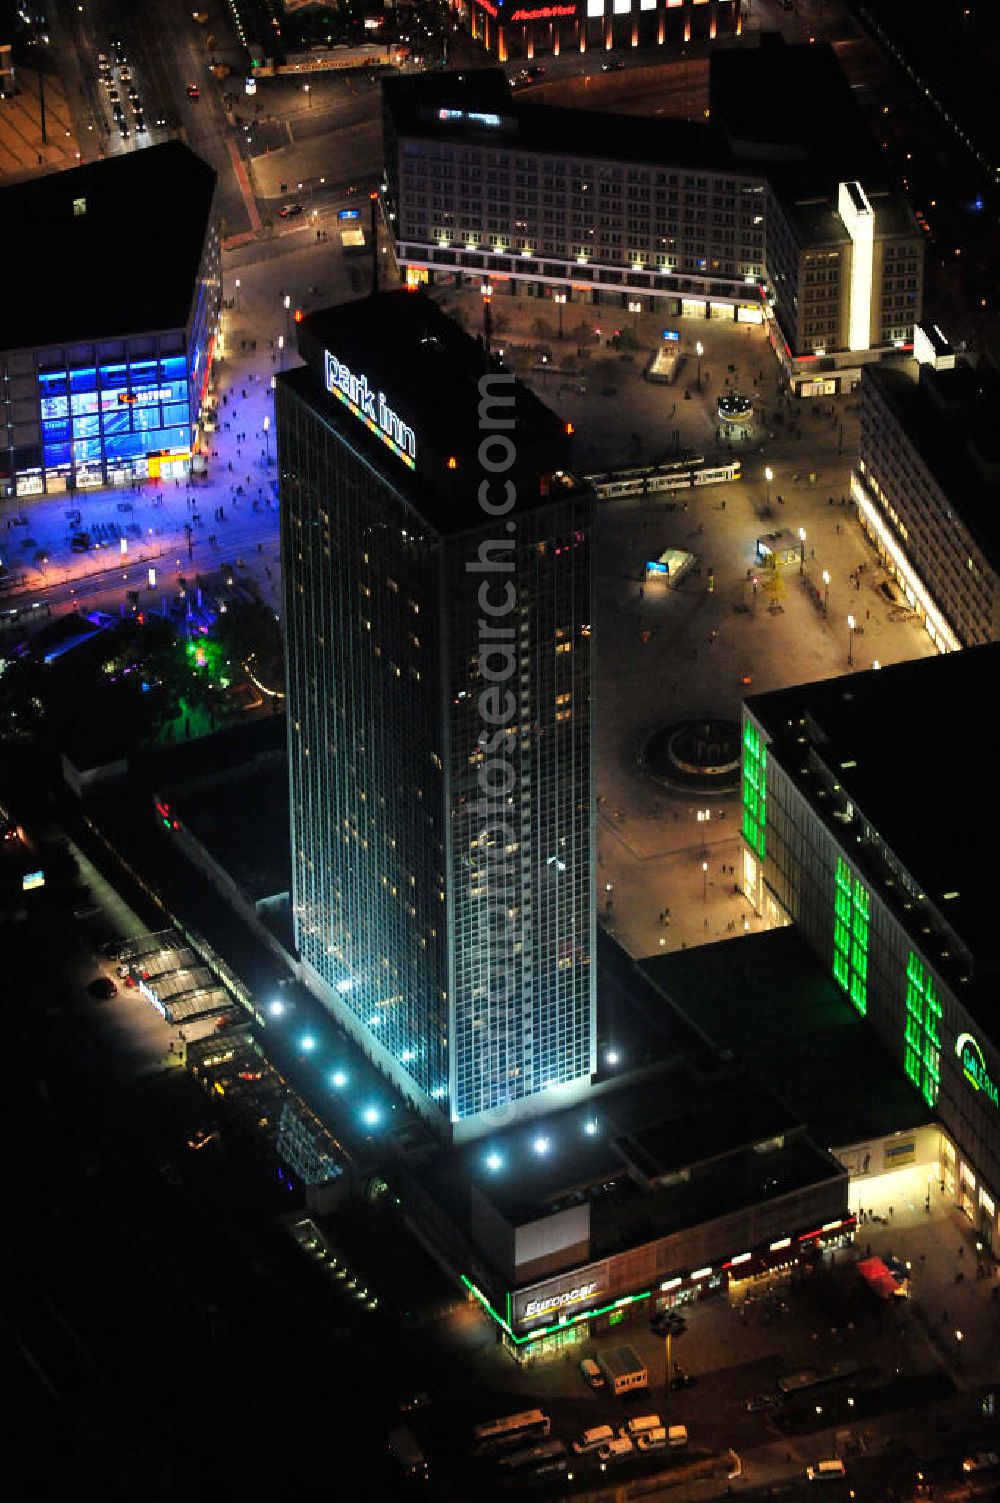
(770, 1002)
(106, 250)
(892, 750)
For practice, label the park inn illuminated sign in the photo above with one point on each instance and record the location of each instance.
(372, 409)
(974, 1067)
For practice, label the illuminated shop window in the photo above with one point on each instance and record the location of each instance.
(922, 1036)
(852, 912)
(754, 788)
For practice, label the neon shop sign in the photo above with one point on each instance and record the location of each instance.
(536, 1307)
(974, 1067)
(371, 408)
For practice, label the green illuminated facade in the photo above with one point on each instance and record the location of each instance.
(852, 906)
(922, 1060)
(754, 788)
(867, 857)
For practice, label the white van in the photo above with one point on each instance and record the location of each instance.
(615, 1450)
(640, 1423)
(826, 1471)
(598, 1435)
(677, 1435)
(592, 1372)
(653, 1440)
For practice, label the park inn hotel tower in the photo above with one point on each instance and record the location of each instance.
(451, 932)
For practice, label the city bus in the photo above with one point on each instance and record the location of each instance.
(527, 1425)
(406, 1452)
(651, 480)
(813, 1378)
(548, 1456)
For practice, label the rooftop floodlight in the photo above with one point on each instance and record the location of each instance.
(494, 1162)
(372, 1115)
(590, 1127)
(541, 1144)
(276, 1009)
(307, 1043)
(612, 1056)
(338, 1080)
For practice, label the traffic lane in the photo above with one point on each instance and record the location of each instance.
(170, 48)
(79, 578)
(81, 64)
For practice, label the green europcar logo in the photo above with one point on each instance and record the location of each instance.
(974, 1067)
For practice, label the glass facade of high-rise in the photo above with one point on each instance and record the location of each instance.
(366, 744)
(522, 904)
(450, 930)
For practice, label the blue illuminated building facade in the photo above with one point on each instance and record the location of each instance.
(106, 387)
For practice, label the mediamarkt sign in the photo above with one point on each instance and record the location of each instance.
(372, 409)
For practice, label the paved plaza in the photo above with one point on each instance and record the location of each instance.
(668, 655)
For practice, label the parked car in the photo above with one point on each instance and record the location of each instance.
(759, 1402)
(288, 211)
(103, 988)
(194, 92)
(413, 1401)
(613, 65)
(980, 1461)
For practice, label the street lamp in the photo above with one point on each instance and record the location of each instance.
(802, 549)
(851, 623)
(636, 308)
(609, 896)
(309, 98)
(559, 298)
(704, 879)
(826, 592)
(673, 1325)
(288, 314)
(699, 350)
(237, 294)
(704, 815)
(267, 439)
(768, 477)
